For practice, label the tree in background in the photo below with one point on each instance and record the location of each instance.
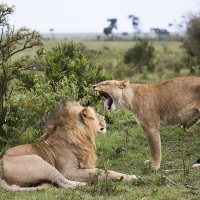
(12, 71)
(178, 26)
(135, 23)
(52, 33)
(113, 24)
(160, 32)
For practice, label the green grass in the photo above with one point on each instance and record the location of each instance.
(124, 149)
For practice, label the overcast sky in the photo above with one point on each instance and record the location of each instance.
(90, 16)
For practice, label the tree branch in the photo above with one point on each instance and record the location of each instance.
(170, 181)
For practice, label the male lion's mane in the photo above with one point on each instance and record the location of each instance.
(78, 132)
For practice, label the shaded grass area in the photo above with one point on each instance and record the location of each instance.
(124, 149)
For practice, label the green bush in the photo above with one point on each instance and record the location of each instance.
(191, 43)
(197, 70)
(192, 40)
(140, 55)
(13, 72)
(66, 59)
(67, 76)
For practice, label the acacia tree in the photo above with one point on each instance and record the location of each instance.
(11, 43)
(113, 24)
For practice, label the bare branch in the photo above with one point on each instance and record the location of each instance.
(173, 170)
(170, 181)
(192, 187)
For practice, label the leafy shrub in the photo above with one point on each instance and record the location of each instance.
(191, 43)
(66, 59)
(197, 70)
(13, 72)
(30, 108)
(140, 55)
(67, 76)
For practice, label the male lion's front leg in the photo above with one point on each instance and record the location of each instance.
(154, 143)
(87, 175)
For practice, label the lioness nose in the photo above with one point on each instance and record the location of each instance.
(94, 86)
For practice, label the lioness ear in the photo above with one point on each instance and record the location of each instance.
(86, 114)
(122, 84)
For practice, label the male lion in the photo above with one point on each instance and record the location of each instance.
(64, 155)
(173, 101)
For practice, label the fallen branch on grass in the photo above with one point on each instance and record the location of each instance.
(173, 170)
(170, 181)
(192, 187)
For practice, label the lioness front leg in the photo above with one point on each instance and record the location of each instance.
(86, 175)
(154, 144)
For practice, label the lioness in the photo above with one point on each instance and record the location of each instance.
(64, 155)
(172, 101)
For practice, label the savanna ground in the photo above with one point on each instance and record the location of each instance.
(124, 148)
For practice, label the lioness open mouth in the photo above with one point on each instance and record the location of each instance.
(108, 102)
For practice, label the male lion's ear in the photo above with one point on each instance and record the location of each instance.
(86, 114)
(122, 84)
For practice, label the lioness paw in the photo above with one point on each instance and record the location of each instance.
(154, 165)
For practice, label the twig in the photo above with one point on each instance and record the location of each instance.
(172, 170)
(191, 187)
(170, 181)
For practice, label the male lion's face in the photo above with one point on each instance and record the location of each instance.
(101, 124)
(112, 91)
(89, 117)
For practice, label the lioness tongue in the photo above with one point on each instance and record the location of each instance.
(106, 105)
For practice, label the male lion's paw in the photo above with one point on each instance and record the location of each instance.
(76, 183)
(130, 177)
(80, 183)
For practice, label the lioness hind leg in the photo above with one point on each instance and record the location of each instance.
(29, 169)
